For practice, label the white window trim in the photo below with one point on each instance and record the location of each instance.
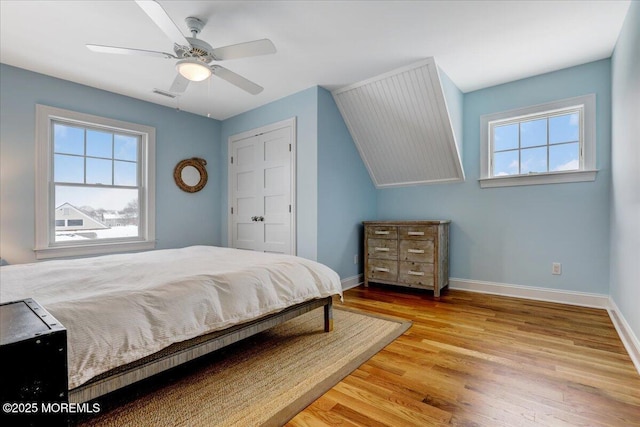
(44, 247)
(587, 171)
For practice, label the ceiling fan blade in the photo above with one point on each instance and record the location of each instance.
(162, 20)
(243, 50)
(128, 51)
(236, 79)
(179, 85)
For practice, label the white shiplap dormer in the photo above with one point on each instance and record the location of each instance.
(402, 127)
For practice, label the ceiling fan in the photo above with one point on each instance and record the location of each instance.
(194, 55)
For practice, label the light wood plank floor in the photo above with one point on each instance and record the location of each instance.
(480, 360)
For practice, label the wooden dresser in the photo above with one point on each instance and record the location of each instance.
(407, 253)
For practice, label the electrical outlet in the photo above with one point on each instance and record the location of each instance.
(355, 259)
(556, 268)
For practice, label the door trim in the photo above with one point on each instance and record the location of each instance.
(288, 123)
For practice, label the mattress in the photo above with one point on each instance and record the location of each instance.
(120, 308)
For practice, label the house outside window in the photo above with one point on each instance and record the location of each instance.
(543, 144)
(89, 167)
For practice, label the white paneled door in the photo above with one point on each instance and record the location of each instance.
(261, 190)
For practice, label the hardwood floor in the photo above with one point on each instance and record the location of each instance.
(473, 359)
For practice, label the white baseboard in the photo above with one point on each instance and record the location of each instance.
(352, 282)
(584, 299)
(626, 334)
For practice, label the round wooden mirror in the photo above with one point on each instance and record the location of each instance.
(190, 174)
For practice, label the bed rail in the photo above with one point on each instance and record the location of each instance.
(183, 352)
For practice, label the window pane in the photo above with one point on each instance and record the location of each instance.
(125, 147)
(534, 160)
(505, 137)
(564, 157)
(505, 163)
(533, 133)
(68, 139)
(125, 173)
(99, 171)
(60, 222)
(99, 144)
(564, 128)
(106, 213)
(68, 168)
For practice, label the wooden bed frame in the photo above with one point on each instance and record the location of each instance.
(180, 353)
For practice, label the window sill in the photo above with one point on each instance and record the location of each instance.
(538, 179)
(95, 249)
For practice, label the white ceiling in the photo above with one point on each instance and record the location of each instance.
(327, 43)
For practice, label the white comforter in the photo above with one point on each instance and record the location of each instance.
(119, 308)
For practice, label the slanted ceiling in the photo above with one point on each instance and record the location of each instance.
(400, 124)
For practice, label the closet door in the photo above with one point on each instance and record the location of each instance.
(261, 191)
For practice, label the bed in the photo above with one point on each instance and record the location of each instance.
(129, 316)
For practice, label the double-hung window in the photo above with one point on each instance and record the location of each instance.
(543, 144)
(95, 184)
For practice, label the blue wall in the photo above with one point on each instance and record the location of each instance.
(182, 219)
(512, 235)
(346, 195)
(455, 106)
(625, 206)
(304, 106)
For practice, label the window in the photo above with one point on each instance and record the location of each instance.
(543, 144)
(89, 168)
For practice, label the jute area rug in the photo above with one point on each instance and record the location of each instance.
(264, 380)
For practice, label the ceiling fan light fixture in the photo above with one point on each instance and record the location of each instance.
(194, 70)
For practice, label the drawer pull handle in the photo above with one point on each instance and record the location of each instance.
(382, 249)
(384, 270)
(416, 233)
(415, 273)
(415, 251)
(381, 232)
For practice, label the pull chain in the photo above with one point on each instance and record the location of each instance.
(209, 94)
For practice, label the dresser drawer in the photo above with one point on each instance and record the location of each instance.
(417, 250)
(382, 269)
(382, 232)
(418, 232)
(416, 274)
(382, 249)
